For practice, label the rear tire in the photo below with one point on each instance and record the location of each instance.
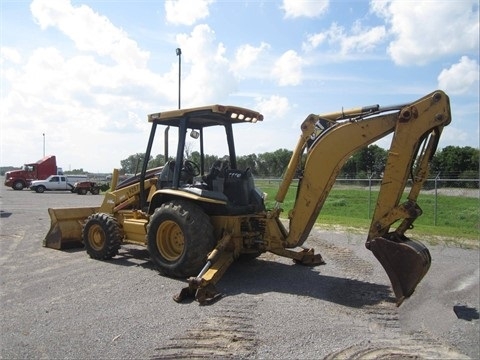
(180, 237)
(102, 236)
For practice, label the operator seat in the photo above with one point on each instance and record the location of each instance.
(216, 176)
(238, 186)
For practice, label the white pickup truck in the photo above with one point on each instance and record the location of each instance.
(58, 183)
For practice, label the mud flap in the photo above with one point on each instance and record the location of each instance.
(406, 262)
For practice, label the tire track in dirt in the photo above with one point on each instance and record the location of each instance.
(383, 315)
(396, 349)
(350, 264)
(228, 333)
(376, 301)
(9, 244)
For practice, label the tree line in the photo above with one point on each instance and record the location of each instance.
(451, 162)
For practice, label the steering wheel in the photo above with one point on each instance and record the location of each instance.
(191, 168)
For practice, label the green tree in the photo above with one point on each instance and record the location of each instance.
(209, 160)
(159, 160)
(133, 164)
(273, 164)
(369, 161)
(282, 157)
(248, 161)
(194, 156)
(452, 161)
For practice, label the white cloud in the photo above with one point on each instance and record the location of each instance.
(89, 31)
(186, 12)
(8, 57)
(287, 70)
(460, 78)
(314, 41)
(80, 101)
(273, 107)
(452, 135)
(359, 40)
(362, 39)
(277, 130)
(306, 8)
(209, 78)
(427, 30)
(9, 54)
(245, 56)
(76, 97)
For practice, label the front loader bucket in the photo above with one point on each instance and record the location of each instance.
(66, 227)
(406, 262)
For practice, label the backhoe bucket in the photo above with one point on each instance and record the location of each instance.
(66, 227)
(406, 262)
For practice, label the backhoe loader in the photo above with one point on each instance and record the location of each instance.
(195, 222)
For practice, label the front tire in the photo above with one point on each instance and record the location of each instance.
(102, 236)
(18, 185)
(40, 189)
(180, 237)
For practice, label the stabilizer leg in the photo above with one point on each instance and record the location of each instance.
(202, 287)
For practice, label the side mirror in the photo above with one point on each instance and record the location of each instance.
(194, 134)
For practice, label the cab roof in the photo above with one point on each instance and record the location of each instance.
(204, 116)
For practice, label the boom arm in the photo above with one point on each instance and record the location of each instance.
(414, 123)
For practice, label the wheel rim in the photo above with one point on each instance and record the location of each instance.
(96, 237)
(170, 240)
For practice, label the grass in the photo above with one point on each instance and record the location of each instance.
(448, 218)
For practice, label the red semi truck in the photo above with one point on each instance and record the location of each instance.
(40, 170)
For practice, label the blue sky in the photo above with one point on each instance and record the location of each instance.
(87, 73)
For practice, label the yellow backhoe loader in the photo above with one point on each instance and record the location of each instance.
(195, 222)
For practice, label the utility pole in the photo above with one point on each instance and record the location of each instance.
(179, 54)
(43, 144)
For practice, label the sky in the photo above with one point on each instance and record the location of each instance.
(78, 78)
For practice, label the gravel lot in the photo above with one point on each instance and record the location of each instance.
(64, 305)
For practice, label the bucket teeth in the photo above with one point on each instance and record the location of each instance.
(406, 262)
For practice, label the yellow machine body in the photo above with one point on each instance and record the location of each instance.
(197, 229)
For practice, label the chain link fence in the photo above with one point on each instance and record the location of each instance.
(436, 187)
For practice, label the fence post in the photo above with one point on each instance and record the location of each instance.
(369, 194)
(435, 202)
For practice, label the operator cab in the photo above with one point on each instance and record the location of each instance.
(219, 187)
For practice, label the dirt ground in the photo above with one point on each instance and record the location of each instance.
(64, 305)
